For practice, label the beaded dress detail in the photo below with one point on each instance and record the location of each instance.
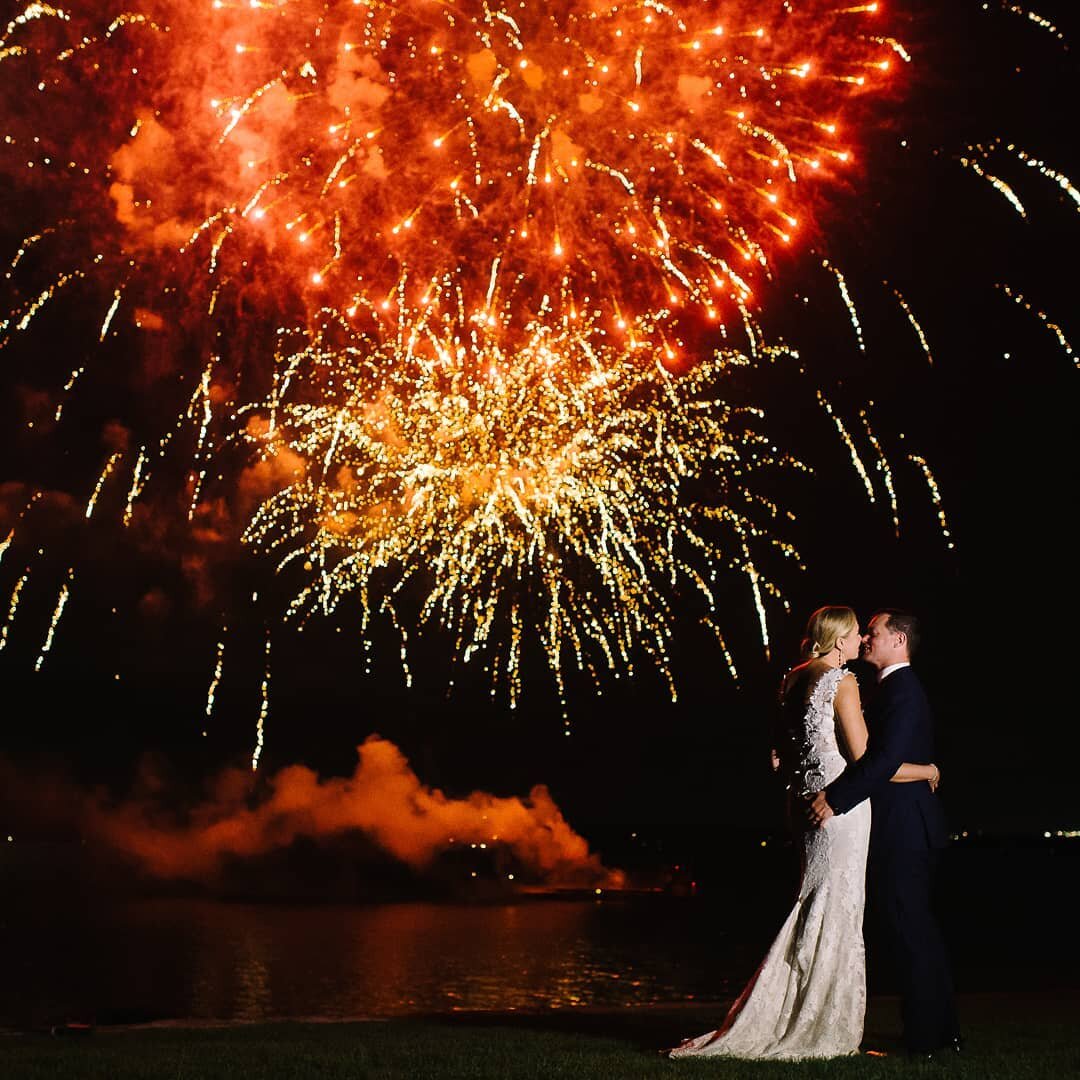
(808, 998)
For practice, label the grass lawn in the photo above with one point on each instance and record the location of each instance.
(1014, 1037)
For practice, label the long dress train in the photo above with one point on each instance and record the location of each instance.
(808, 998)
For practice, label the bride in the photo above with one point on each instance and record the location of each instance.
(808, 998)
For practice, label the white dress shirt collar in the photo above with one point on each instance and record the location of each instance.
(885, 672)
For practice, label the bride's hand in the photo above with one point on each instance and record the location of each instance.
(935, 780)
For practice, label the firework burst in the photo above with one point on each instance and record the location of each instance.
(541, 493)
(499, 232)
(649, 154)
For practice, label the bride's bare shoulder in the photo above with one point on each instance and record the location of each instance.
(797, 676)
(800, 681)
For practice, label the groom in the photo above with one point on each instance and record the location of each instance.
(906, 834)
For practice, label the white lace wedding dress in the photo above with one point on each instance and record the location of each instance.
(808, 998)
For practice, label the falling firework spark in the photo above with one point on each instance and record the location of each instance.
(896, 46)
(986, 151)
(1032, 16)
(759, 604)
(264, 709)
(915, 325)
(13, 607)
(728, 659)
(935, 494)
(841, 283)
(105, 472)
(138, 481)
(215, 679)
(10, 538)
(860, 468)
(1021, 301)
(73, 378)
(1059, 178)
(996, 183)
(58, 611)
(883, 468)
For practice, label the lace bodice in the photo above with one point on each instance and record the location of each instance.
(818, 757)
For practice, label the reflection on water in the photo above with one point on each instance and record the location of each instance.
(70, 952)
(148, 959)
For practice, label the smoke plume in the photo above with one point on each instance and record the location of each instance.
(383, 799)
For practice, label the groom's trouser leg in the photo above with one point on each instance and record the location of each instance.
(904, 891)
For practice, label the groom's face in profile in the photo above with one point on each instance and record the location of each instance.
(881, 646)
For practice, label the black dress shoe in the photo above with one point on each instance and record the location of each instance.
(950, 1048)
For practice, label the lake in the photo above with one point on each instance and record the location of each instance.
(78, 952)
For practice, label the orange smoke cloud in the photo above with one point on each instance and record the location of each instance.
(383, 799)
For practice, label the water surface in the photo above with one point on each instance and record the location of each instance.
(75, 952)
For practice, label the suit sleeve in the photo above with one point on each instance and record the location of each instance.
(885, 754)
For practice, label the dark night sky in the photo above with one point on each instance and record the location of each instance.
(995, 416)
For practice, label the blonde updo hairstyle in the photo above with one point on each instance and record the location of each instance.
(824, 628)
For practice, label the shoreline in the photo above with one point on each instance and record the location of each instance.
(879, 1007)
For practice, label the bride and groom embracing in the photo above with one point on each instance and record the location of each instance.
(859, 788)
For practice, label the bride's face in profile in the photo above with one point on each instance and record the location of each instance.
(849, 645)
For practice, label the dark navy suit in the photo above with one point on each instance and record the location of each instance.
(907, 832)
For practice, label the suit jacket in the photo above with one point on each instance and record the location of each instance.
(901, 728)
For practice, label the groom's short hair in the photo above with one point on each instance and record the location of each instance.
(902, 622)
